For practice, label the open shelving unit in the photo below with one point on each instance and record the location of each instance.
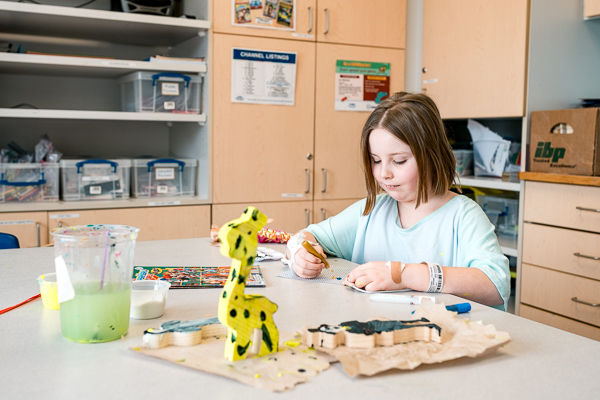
(75, 98)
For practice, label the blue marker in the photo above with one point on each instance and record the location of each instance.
(459, 308)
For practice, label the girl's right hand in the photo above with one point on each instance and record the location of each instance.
(306, 265)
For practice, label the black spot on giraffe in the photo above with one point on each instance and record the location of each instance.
(233, 338)
(241, 279)
(246, 313)
(224, 294)
(266, 337)
(233, 274)
(250, 260)
(238, 241)
(242, 349)
(255, 215)
(233, 313)
(263, 316)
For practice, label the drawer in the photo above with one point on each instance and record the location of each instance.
(552, 291)
(556, 204)
(559, 322)
(555, 248)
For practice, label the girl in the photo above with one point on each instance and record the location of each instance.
(417, 234)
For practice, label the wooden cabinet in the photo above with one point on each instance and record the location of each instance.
(287, 216)
(560, 277)
(328, 21)
(309, 151)
(323, 209)
(262, 152)
(31, 228)
(155, 223)
(474, 57)
(338, 165)
(380, 23)
(591, 9)
(305, 12)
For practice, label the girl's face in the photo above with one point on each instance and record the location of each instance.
(394, 166)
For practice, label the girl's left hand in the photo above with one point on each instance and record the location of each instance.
(373, 276)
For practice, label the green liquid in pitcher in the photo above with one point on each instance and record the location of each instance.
(96, 315)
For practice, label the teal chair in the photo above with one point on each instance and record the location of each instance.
(8, 241)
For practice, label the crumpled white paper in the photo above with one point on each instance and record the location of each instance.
(490, 150)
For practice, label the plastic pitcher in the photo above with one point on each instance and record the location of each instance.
(94, 268)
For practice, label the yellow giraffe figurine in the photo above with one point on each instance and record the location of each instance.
(244, 313)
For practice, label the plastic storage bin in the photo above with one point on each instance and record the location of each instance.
(160, 92)
(29, 182)
(164, 177)
(507, 210)
(464, 162)
(95, 179)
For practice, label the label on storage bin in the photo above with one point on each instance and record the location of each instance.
(169, 105)
(162, 189)
(164, 203)
(95, 189)
(169, 89)
(164, 173)
(96, 178)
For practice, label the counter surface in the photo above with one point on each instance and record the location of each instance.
(37, 362)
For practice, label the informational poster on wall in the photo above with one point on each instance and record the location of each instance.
(360, 85)
(270, 14)
(263, 77)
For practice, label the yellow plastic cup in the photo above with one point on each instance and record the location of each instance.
(49, 290)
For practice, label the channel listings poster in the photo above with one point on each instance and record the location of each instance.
(263, 77)
(360, 85)
(270, 14)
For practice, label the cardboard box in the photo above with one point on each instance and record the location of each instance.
(565, 142)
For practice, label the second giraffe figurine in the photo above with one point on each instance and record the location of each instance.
(244, 313)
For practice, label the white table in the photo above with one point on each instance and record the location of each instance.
(36, 362)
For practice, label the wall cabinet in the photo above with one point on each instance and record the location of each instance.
(338, 165)
(330, 21)
(475, 57)
(80, 106)
(271, 154)
(262, 152)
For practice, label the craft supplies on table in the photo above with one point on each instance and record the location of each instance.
(96, 179)
(165, 177)
(29, 182)
(161, 92)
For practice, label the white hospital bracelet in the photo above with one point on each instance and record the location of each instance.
(436, 277)
(293, 245)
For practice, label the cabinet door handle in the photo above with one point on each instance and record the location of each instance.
(324, 180)
(310, 19)
(307, 181)
(37, 226)
(326, 21)
(588, 209)
(576, 300)
(584, 256)
(307, 212)
(323, 214)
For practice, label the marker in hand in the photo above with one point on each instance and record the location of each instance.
(314, 252)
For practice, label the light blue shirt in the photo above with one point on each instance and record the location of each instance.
(458, 234)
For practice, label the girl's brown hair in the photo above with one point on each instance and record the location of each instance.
(413, 118)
